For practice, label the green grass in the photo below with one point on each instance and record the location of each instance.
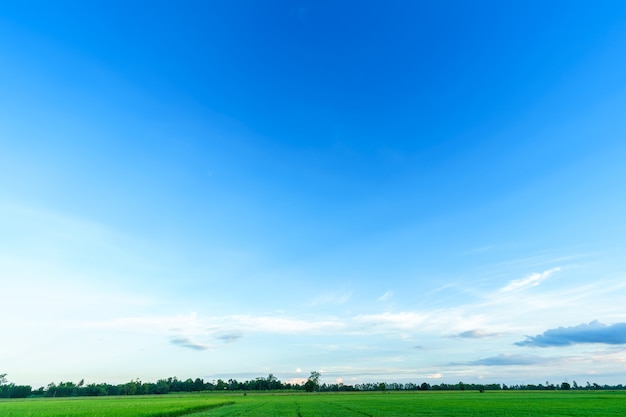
(460, 404)
(391, 404)
(148, 406)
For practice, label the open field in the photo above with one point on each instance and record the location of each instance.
(508, 403)
(127, 406)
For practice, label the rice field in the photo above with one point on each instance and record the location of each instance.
(128, 406)
(391, 404)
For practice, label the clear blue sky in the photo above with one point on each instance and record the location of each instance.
(399, 191)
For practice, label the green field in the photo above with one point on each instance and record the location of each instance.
(128, 406)
(488, 404)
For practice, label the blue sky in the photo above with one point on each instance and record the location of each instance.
(399, 191)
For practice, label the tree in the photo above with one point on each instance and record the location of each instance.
(198, 384)
(221, 385)
(313, 383)
(565, 386)
(271, 380)
(162, 387)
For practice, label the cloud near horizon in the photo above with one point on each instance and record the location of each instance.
(594, 332)
(507, 359)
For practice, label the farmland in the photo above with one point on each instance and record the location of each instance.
(509, 403)
(140, 406)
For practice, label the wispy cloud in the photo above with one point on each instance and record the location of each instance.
(188, 343)
(224, 328)
(430, 321)
(594, 332)
(477, 334)
(230, 337)
(400, 320)
(507, 359)
(386, 296)
(332, 298)
(278, 324)
(532, 280)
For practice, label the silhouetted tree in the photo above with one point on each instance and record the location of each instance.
(313, 383)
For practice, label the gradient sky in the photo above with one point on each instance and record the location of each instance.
(427, 191)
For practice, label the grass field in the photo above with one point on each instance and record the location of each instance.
(148, 406)
(488, 404)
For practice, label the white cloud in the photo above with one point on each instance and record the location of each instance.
(438, 322)
(532, 280)
(332, 298)
(386, 296)
(401, 320)
(225, 328)
(275, 324)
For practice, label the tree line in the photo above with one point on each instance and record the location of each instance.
(11, 390)
(175, 385)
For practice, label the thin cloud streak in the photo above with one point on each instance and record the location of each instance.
(477, 334)
(332, 298)
(507, 360)
(227, 328)
(531, 281)
(188, 343)
(386, 296)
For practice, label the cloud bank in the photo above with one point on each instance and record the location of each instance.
(594, 332)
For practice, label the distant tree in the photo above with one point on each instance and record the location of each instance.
(565, 386)
(198, 384)
(309, 386)
(313, 383)
(271, 381)
(162, 387)
(221, 385)
(131, 388)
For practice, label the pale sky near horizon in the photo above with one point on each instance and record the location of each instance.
(380, 191)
